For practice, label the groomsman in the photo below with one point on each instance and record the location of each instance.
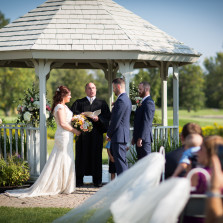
(142, 135)
(118, 131)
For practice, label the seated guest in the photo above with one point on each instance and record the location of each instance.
(204, 158)
(204, 155)
(192, 146)
(214, 206)
(173, 157)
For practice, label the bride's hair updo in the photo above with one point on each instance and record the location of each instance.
(60, 93)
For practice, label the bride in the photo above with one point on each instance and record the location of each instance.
(58, 174)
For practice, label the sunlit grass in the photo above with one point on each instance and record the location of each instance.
(31, 215)
(204, 117)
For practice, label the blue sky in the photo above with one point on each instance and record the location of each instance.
(197, 23)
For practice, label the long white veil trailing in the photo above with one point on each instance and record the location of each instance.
(162, 204)
(140, 178)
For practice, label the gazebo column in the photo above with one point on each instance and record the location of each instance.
(110, 75)
(176, 103)
(164, 75)
(42, 69)
(126, 68)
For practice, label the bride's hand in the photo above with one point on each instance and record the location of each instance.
(76, 132)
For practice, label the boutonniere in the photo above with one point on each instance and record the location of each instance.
(138, 101)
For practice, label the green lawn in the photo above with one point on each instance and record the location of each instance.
(30, 215)
(204, 117)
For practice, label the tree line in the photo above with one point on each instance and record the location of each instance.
(198, 88)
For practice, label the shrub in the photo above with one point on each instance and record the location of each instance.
(14, 171)
(213, 130)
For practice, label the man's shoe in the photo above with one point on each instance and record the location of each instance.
(98, 184)
(79, 184)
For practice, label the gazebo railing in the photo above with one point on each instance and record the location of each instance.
(22, 140)
(163, 135)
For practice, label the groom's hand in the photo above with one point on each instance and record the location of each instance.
(139, 142)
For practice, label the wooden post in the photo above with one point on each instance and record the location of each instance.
(126, 69)
(176, 104)
(42, 69)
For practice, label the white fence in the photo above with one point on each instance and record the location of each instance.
(23, 140)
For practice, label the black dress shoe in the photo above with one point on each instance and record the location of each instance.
(98, 184)
(79, 184)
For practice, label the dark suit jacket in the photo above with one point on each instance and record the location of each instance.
(172, 161)
(118, 130)
(143, 121)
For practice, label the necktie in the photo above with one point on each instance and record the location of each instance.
(91, 100)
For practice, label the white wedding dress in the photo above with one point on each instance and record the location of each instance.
(58, 174)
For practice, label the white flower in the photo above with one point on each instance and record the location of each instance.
(27, 116)
(84, 126)
(0, 121)
(47, 114)
(18, 107)
(133, 107)
(30, 108)
(36, 104)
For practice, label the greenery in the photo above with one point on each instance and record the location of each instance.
(14, 171)
(31, 215)
(214, 81)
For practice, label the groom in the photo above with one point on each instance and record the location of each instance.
(142, 135)
(118, 131)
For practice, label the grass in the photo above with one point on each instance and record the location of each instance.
(30, 215)
(204, 117)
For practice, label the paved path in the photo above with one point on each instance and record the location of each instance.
(60, 200)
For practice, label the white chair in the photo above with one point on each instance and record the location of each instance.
(195, 206)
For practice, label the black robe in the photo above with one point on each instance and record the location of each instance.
(88, 155)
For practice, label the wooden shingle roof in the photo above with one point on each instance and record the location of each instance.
(86, 26)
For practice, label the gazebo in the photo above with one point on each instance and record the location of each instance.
(91, 34)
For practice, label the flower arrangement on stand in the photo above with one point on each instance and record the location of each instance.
(29, 108)
(135, 99)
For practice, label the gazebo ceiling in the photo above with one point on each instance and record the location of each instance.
(81, 33)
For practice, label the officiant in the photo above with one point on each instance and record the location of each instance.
(88, 155)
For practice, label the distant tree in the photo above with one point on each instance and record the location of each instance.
(152, 76)
(191, 87)
(214, 81)
(101, 84)
(3, 20)
(76, 80)
(13, 82)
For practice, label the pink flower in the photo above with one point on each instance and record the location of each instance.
(48, 108)
(31, 99)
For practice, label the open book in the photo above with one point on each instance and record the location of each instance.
(92, 114)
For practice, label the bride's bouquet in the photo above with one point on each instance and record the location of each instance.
(81, 123)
